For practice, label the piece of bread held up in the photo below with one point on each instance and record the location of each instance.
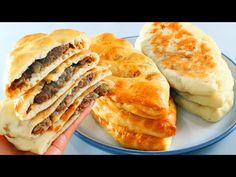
(36, 55)
(55, 85)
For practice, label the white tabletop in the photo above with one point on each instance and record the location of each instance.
(223, 33)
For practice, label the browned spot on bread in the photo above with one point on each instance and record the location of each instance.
(190, 57)
(57, 128)
(152, 76)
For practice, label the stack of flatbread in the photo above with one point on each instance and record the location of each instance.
(193, 65)
(52, 78)
(138, 111)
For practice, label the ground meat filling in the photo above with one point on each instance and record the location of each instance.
(51, 88)
(42, 126)
(40, 64)
(47, 123)
(101, 90)
(67, 101)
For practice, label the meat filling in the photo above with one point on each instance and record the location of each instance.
(50, 89)
(101, 90)
(40, 64)
(43, 126)
(67, 101)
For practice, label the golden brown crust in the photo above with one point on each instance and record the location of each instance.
(131, 72)
(113, 112)
(134, 140)
(36, 46)
(27, 39)
(193, 54)
(138, 91)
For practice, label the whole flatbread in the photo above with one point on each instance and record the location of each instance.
(192, 63)
(190, 59)
(139, 85)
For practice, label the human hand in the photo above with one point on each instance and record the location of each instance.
(56, 148)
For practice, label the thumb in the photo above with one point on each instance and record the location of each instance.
(59, 145)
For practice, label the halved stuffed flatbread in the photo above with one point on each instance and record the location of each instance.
(54, 85)
(35, 55)
(22, 133)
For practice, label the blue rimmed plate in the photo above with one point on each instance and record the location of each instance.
(193, 133)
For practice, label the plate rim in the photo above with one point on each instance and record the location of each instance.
(122, 150)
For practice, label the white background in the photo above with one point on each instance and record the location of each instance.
(223, 33)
